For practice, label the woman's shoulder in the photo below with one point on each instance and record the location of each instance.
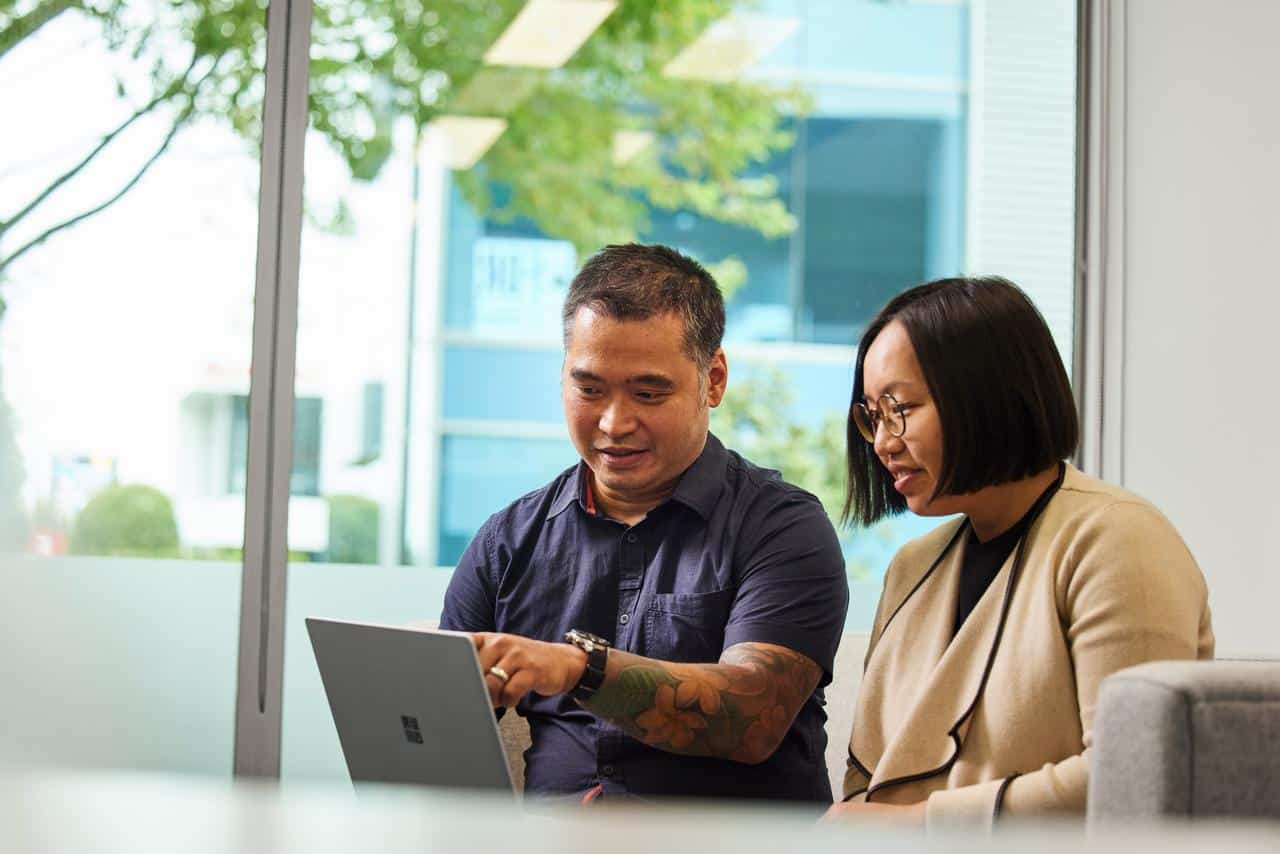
(1090, 488)
(1088, 501)
(1091, 523)
(1113, 552)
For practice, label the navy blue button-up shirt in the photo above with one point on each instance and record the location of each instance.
(735, 555)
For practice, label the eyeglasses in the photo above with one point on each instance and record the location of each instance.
(887, 411)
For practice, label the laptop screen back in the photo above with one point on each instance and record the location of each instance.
(410, 706)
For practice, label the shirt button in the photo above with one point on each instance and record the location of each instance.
(624, 619)
(631, 538)
(607, 770)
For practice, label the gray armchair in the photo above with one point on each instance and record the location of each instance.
(1187, 739)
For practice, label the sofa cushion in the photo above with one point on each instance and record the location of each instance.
(1187, 739)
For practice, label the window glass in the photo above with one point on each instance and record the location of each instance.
(819, 156)
(129, 171)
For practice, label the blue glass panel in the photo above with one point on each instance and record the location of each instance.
(502, 384)
(843, 37)
(482, 474)
(868, 198)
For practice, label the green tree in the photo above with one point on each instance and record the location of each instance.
(377, 62)
(752, 419)
(353, 529)
(126, 521)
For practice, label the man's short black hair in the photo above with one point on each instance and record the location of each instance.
(633, 281)
(1003, 396)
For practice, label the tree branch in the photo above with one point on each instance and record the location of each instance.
(28, 24)
(48, 191)
(52, 230)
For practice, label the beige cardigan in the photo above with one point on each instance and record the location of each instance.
(998, 720)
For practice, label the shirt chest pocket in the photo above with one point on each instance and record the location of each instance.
(687, 627)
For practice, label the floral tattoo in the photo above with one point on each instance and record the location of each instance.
(739, 708)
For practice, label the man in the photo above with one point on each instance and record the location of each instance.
(719, 589)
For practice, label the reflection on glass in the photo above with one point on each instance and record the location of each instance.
(819, 156)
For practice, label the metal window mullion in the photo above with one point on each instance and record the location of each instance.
(1083, 377)
(1112, 200)
(259, 680)
(1100, 239)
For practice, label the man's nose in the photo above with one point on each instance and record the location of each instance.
(617, 419)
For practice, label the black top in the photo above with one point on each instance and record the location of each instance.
(982, 561)
(734, 555)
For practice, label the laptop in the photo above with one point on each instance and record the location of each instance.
(410, 706)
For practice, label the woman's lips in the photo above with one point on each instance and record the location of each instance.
(904, 478)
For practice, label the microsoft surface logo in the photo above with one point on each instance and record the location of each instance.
(411, 731)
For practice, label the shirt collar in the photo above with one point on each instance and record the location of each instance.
(701, 485)
(571, 490)
(699, 488)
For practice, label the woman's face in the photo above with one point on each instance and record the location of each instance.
(914, 458)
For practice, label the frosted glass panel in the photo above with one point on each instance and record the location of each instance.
(375, 594)
(123, 663)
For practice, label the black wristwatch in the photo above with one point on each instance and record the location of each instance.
(597, 650)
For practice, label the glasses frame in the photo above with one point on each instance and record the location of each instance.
(868, 421)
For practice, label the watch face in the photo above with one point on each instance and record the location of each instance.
(582, 639)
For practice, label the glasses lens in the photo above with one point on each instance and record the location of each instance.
(894, 421)
(862, 419)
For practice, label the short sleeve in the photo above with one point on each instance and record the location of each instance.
(792, 590)
(469, 602)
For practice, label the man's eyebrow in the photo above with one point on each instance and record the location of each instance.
(584, 376)
(657, 380)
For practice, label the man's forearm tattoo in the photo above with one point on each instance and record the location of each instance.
(739, 708)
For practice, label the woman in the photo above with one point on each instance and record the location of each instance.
(994, 630)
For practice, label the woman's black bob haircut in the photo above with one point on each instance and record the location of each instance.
(1002, 394)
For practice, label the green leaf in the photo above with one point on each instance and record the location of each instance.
(631, 692)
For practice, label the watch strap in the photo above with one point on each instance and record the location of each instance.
(592, 675)
(597, 650)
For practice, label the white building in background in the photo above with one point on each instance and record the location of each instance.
(127, 341)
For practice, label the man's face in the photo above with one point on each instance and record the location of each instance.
(636, 409)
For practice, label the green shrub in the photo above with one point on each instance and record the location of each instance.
(353, 529)
(134, 521)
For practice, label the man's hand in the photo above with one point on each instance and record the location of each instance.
(900, 813)
(530, 665)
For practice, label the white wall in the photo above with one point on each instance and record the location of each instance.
(1200, 429)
